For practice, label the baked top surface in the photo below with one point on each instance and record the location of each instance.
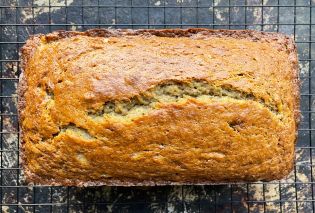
(153, 107)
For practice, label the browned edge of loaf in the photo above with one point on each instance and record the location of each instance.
(34, 41)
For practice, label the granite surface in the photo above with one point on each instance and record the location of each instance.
(21, 18)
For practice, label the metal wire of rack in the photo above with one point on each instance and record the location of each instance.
(21, 18)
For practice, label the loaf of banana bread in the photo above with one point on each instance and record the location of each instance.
(156, 107)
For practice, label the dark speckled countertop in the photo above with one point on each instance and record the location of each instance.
(21, 18)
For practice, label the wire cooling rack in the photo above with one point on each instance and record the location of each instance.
(21, 18)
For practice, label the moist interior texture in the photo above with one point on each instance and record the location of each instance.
(172, 92)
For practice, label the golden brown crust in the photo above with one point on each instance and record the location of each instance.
(53, 138)
(26, 53)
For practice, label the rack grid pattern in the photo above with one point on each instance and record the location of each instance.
(21, 18)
